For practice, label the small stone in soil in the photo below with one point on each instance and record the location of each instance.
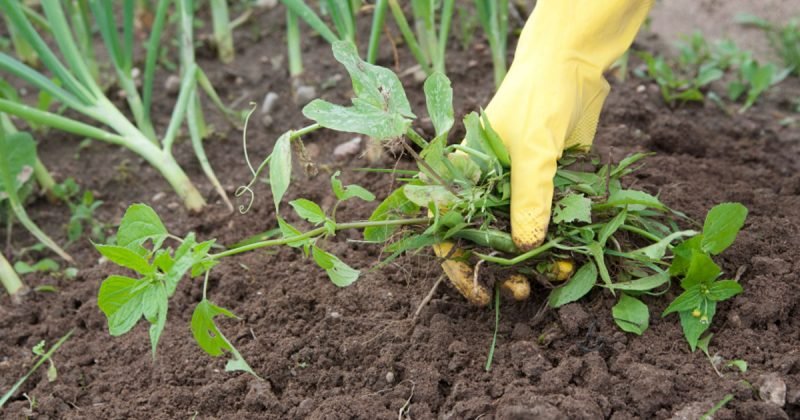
(348, 148)
(389, 378)
(335, 315)
(270, 99)
(172, 84)
(304, 94)
(772, 389)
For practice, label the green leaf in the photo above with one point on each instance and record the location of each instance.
(280, 168)
(683, 255)
(188, 254)
(724, 289)
(308, 210)
(380, 109)
(694, 327)
(288, 231)
(439, 100)
(643, 284)
(702, 270)
(341, 274)
(599, 258)
(631, 314)
(347, 192)
(579, 285)
(703, 343)
(573, 208)
(657, 250)
(611, 227)
(211, 339)
(422, 195)
(125, 300)
(17, 159)
(689, 300)
(139, 224)
(634, 200)
(125, 257)
(394, 207)
(739, 364)
(42, 266)
(722, 224)
(495, 142)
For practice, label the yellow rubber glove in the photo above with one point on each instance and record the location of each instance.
(550, 100)
(552, 96)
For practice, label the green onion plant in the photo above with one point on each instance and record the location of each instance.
(223, 34)
(493, 15)
(78, 90)
(428, 41)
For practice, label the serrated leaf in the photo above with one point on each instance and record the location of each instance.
(631, 314)
(308, 210)
(139, 224)
(578, 286)
(125, 300)
(721, 226)
(341, 274)
(573, 208)
(343, 192)
(17, 159)
(394, 207)
(125, 257)
(439, 100)
(694, 327)
(211, 339)
(280, 168)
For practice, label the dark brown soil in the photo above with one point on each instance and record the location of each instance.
(355, 353)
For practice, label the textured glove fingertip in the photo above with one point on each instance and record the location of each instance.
(528, 231)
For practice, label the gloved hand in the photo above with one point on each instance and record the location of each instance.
(550, 100)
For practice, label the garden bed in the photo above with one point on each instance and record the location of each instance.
(326, 352)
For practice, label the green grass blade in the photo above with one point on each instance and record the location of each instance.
(301, 9)
(222, 30)
(378, 20)
(490, 357)
(293, 44)
(445, 20)
(78, 12)
(63, 37)
(153, 47)
(104, 18)
(234, 117)
(12, 9)
(16, 68)
(199, 151)
(59, 122)
(409, 37)
(342, 18)
(128, 14)
(188, 87)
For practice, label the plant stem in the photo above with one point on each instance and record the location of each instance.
(490, 357)
(378, 20)
(316, 232)
(9, 278)
(293, 43)
(521, 257)
(222, 30)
